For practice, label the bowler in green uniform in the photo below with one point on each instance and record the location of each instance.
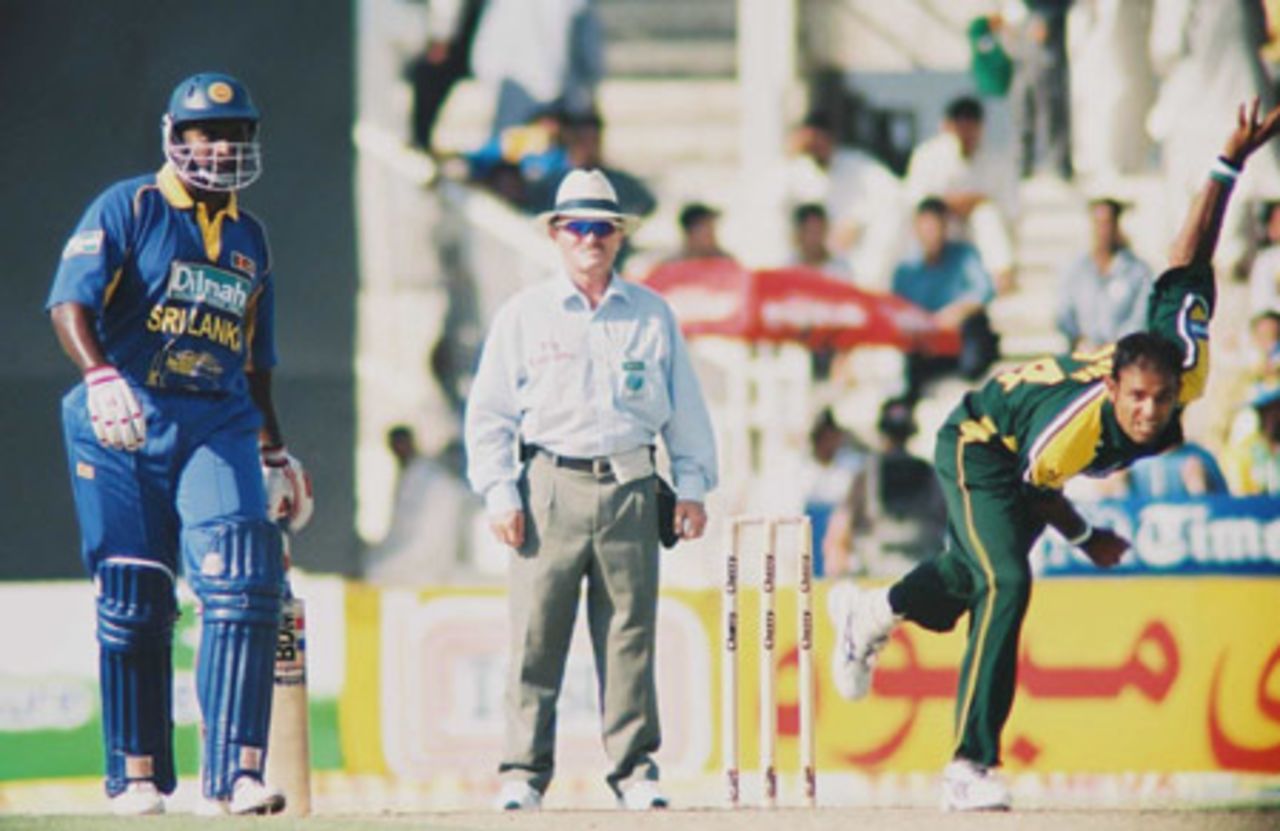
(1003, 457)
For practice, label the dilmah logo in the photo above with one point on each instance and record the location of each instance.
(222, 290)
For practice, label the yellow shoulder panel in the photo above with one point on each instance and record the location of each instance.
(1067, 444)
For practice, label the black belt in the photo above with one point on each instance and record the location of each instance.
(598, 465)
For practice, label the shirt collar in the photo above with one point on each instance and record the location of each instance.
(177, 195)
(567, 290)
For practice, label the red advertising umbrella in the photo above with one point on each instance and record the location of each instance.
(798, 304)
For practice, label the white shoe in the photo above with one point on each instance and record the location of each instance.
(138, 797)
(206, 807)
(252, 796)
(969, 786)
(863, 622)
(642, 796)
(518, 796)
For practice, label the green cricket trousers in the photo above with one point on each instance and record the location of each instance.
(581, 525)
(984, 571)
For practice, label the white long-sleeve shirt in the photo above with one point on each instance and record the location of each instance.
(533, 43)
(585, 383)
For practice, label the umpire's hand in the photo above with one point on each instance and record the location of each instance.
(690, 519)
(1105, 547)
(509, 528)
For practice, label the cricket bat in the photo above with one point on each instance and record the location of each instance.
(289, 759)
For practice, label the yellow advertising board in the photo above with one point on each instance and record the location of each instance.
(1153, 674)
(1144, 674)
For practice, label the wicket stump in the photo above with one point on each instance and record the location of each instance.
(768, 632)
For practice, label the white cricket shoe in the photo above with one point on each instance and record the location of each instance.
(253, 796)
(644, 795)
(518, 796)
(209, 807)
(248, 796)
(863, 623)
(138, 798)
(969, 786)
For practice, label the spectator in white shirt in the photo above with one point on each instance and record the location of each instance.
(429, 539)
(976, 185)
(1264, 275)
(538, 54)
(862, 197)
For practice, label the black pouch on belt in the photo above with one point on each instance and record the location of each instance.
(666, 514)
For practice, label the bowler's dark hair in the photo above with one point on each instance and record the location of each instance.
(1150, 350)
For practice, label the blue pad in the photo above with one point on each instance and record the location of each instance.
(136, 611)
(237, 572)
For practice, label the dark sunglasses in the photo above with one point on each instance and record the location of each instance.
(602, 229)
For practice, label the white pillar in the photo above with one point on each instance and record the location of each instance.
(766, 75)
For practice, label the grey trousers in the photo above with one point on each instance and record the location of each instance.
(577, 526)
(1041, 98)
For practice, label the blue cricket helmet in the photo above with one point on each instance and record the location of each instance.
(212, 96)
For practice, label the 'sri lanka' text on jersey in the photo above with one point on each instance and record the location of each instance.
(1053, 415)
(184, 301)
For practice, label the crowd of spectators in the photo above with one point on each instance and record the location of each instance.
(1097, 91)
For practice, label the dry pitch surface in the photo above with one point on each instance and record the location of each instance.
(827, 819)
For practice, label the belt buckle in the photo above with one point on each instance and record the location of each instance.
(600, 466)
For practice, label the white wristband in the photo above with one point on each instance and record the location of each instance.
(1223, 171)
(1083, 537)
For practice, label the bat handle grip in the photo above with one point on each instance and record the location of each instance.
(286, 548)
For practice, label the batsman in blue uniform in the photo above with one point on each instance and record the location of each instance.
(164, 301)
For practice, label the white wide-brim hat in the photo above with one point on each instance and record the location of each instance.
(588, 194)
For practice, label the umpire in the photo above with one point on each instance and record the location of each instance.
(579, 376)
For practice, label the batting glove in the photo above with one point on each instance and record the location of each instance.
(113, 410)
(288, 486)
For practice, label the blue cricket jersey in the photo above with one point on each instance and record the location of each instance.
(184, 301)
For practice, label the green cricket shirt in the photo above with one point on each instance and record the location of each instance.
(1053, 418)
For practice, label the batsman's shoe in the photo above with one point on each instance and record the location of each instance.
(138, 798)
(252, 796)
(518, 796)
(209, 807)
(642, 796)
(969, 786)
(863, 623)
